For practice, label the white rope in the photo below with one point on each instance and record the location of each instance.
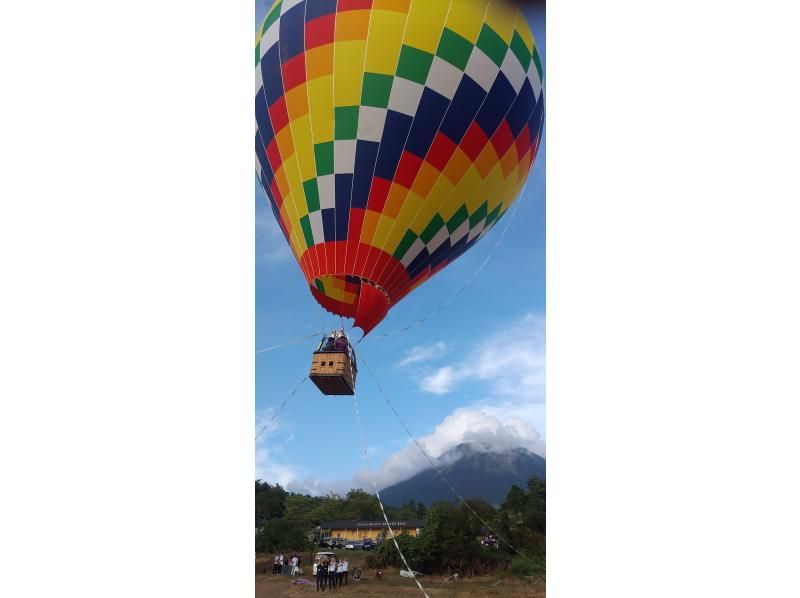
(378, 494)
(291, 342)
(438, 471)
(274, 415)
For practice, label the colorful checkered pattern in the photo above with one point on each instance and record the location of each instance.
(391, 135)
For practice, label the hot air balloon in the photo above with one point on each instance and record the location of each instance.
(391, 136)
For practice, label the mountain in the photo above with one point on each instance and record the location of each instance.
(472, 469)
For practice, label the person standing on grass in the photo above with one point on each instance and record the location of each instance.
(332, 573)
(294, 565)
(322, 573)
(345, 567)
(275, 564)
(339, 571)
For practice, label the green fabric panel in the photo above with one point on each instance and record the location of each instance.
(538, 63)
(272, 17)
(520, 51)
(454, 49)
(323, 156)
(345, 122)
(312, 195)
(376, 90)
(319, 285)
(258, 53)
(405, 244)
(493, 215)
(479, 215)
(306, 226)
(458, 218)
(492, 45)
(414, 64)
(433, 227)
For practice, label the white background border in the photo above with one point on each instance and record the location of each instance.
(126, 311)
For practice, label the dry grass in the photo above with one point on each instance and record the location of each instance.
(393, 585)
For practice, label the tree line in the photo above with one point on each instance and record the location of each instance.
(450, 541)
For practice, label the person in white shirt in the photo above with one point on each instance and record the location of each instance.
(294, 565)
(339, 573)
(276, 565)
(345, 567)
(332, 573)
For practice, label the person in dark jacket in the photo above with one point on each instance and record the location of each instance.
(322, 574)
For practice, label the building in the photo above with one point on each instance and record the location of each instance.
(358, 530)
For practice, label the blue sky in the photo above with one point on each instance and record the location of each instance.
(475, 371)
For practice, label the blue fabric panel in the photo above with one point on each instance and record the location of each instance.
(271, 74)
(395, 133)
(344, 184)
(468, 98)
(496, 106)
(329, 223)
(319, 8)
(366, 155)
(431, 111)
(292, 32)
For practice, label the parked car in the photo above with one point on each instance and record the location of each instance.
(368, 545)
(354, 546)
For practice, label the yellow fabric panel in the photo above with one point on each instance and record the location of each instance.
(466, 18)
(440, 192)
(385, 36)
(296, 102)
(486, 160)
(502, 18)
(282, 182)
(348, 73)
(509, 161)
(426, 178)
(425, 23)
(285, 143)
(382, 231)
(351, 25)
(423, 217)
(526, 34)
(395, 5)
(301, 132)
(457, 166)
(319, 62)
(292, 225)
(395, 199)
(296, 185)
(320, 98)
(370, 224)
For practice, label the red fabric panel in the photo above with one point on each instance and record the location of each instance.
(320, 31)
(294, 71)
(373, 305)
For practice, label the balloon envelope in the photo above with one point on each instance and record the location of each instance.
(391, 136)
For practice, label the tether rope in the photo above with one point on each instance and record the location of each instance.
(291, 342)
(274, 415)
(446, 481)
(378, 494)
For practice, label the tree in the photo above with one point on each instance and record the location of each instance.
(270, 502)
(280, 534)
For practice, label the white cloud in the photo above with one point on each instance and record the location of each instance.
(511, 362)
(466, 425)
(272, 465)
(423, 353)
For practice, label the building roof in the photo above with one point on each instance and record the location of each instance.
(371, 524)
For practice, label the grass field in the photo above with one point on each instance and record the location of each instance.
(269, 586)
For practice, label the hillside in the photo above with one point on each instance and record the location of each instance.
(473, 471)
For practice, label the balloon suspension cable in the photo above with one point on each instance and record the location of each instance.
(439, 471)
(378, 494)
(461, 290)
(274, 415)
(291, 342)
